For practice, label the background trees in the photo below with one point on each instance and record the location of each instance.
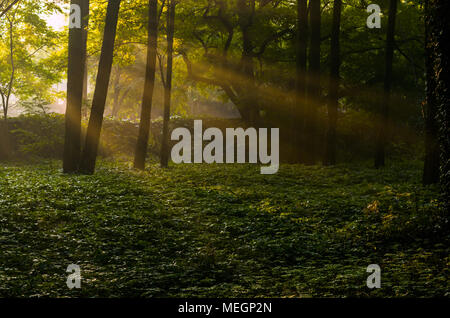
(254, 55)
(29, 65)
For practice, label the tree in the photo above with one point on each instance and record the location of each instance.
(25, 73)
(432, 152)
(168, 84)
(383, 124)
(6, 95)
(7, 90)
(90, 150)
(334, 82)
(75, 88)
(298, 120)
(144, 127)
(233, 35)
(440, 10)
(313, 82)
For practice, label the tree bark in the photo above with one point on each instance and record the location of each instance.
(432, 151)
(89, 156)
(313, 90)
(86, 71)
(334, 82)
(75, 83)
(441, 32)
(168, 86)
(383, 124)
(144, 126)
(298, 113)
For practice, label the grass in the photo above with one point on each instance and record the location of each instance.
(221, 231)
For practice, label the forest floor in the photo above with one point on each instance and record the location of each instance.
(221, 231)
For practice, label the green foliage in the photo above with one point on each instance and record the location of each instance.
(39, 135)
(42, 135)
(221, 231)
(36, 62)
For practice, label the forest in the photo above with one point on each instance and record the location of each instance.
(224, 148)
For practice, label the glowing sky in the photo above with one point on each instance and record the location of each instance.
(57, 21)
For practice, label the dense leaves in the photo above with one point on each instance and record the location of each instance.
(221, 230)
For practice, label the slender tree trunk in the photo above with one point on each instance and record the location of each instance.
(85, 71)
(4, 139)
(75, 80)
(383, 124)
(432, 151)
(116, 92)
(313, 91)
(89, 156)
(168, 86)
(441, 33)
(298, 119)
(5, 144)
(334, 82)
(144, 127)
(85, 85)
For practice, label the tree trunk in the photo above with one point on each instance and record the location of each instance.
(85, 85)
(334, 82)
(313, 90)
(383, 124)
(5, 145)
(432, 152)
(89, 156)
(298, 119)
(144, 127)
(245, 84)
(4, 140)
(75, 80)
(116, 93)
(441, 32)
(168, 86)
(85, 71)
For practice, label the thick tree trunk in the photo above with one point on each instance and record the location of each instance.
(75, 83)
(89, 156)
(441, 32)
(432, 151)
(313, 90)
(383, 124)
(333, 94)
(144, 127)
(168, 86)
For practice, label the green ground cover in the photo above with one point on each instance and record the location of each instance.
(221, 231)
